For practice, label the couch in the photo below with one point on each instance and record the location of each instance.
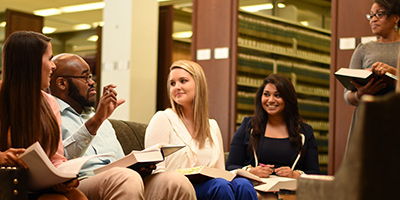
(130, 134)
(13, 184)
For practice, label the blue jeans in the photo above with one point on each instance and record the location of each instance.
(218, 188)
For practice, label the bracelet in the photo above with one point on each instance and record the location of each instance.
(356, 96)
(299, 171)
(247, 168)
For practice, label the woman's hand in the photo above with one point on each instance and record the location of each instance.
(381, 68)
(10, 158)
(287, 172)
(371, 87)
(262, 170)
(67, 186)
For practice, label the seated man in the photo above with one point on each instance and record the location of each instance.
(91, 134)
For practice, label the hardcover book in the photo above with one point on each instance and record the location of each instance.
(362, 77)
(43, 174)
(203, 173)
(137, 159)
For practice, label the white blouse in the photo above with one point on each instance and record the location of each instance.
(167, 127)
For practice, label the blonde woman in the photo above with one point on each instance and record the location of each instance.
(188, 123)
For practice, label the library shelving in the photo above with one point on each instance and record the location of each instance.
(267, 45)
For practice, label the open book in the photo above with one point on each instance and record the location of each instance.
(42, 171)
(362, 77)
(202, 173)
(137, 159)
(275, 183)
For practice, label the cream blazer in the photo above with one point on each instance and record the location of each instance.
(167, 127)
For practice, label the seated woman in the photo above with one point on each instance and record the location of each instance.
(187, 123)
(27, 114)
(274, 140)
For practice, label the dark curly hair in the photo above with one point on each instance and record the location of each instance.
(391, 6)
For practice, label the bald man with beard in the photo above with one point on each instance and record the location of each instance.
(87, 133)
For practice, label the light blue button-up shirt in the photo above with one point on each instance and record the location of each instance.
(79, 142)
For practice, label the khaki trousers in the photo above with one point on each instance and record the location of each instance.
(123, 183)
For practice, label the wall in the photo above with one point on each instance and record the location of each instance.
(346, 22)
(129, 56)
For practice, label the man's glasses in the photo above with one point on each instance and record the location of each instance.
(85, 78)
(378, 15)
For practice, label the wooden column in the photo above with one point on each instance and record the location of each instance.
(165, 49)
(348, 20)
(214, 25)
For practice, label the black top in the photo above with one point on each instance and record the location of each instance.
(273, 151)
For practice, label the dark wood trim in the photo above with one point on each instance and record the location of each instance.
(346, 22)
(165, 51)
(98, 63)
(214, 25)
(18, 21)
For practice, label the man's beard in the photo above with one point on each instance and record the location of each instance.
(75, 95)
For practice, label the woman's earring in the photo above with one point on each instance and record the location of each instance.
(396, 28)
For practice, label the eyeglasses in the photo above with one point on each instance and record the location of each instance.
(378, 15)
(85, 78)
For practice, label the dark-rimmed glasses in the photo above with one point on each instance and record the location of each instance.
(85, 78)
(378, 15)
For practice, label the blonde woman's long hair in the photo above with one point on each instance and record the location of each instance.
(200, 102)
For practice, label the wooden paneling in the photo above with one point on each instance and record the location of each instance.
(348, 20)
(214, 25)
(165, 46)
(17, 21)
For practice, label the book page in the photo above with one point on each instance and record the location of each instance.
(275, 183)
(150, 156)
(43, 173)
(207, 171)
(248, 175)
(75, 165)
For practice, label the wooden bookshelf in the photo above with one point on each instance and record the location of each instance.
(269, 45)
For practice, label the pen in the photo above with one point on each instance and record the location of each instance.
(263, 165)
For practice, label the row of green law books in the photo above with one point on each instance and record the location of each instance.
(286, 50)
(269, 29)
(264, 66)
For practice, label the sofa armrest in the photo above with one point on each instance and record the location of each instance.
(13, 183)
(129, 134)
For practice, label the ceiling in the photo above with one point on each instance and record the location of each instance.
(65, 22)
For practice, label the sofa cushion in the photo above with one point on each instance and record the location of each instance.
(129, 134)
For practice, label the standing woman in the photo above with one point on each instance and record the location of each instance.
(381, 55)
(27, 114)
(187, 123)
(274, 140)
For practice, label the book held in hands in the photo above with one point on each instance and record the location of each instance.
(137, 159)
(362, 77)
(43, 174)
(203, 173)
(275, 183)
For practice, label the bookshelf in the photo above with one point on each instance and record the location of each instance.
(267, 45)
